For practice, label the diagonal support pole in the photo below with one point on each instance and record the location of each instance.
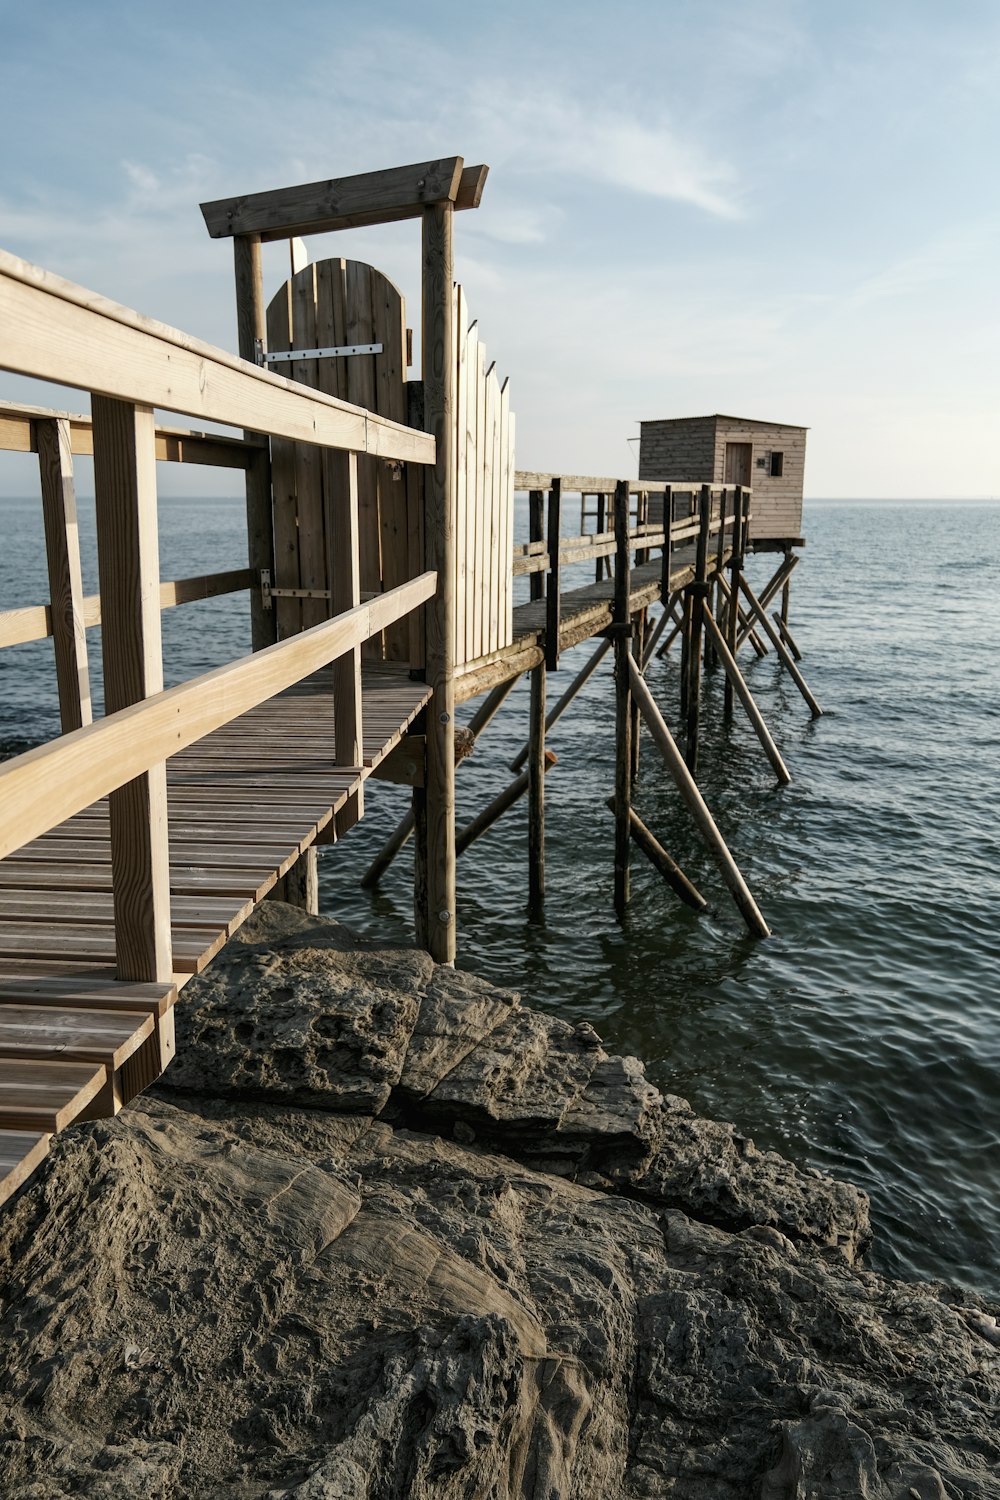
(784, 655)
(747, 699)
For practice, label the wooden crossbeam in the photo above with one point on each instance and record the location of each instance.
(347, 202)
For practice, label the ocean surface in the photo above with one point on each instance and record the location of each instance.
(863, 1038)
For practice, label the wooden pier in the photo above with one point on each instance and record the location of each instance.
(381, 572)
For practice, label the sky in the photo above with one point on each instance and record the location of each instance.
(782, 209)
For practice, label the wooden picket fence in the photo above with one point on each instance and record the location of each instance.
(484, 497)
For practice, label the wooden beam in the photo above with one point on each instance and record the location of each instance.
(339, 202)
(536, 795)
(438, 345)
(556, 712)
(62, 551)
(553, 609)
(128, 565)
(173, 444)
(495, 810)
(662, 861)
(45, 786)
(759, 616)
(623, 700)
(345, 582)
(695, 802)
(738, 681)
(252, 336)
(55, 330)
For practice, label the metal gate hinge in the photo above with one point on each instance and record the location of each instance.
(284, 356)
(265, 587)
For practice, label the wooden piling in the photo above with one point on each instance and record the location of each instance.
(536, 794)
(695, 802)
(784, 571)
(623, 698)
(784, 655)
(787, 637)
(661, 861)
(439, 410)
(495, 810)
(732, 593)
(557, 710)
(735, 677)
(553, 584)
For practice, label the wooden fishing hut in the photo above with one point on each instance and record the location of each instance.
(381, 573)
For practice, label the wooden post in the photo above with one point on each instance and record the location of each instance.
(344, 572)
(786, 595)
(600, 523)
(251, 332)
(439, 410)
(638, 646)
(495, 810)
(653, 638)
(536, 795)
(128, 567)
(623, 700)
(688, 788)
(784, 655)
(536, 533)
(662, 862)
(767, 594)
(62, 552)
(733, 613)
(697, 593)
(744, 624)
(403, 830)
(787, 637)
(735, 676)
(556, 712)
(668, 521)
(553, 610)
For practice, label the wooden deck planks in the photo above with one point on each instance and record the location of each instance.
(242, 805)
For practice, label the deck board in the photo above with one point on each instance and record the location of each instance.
(243, 804)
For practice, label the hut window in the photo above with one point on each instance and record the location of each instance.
(777, 465)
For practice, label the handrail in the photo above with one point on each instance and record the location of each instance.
(54, 330)
(33, 622)
(577, 484)
(43, 787)
(181, 445)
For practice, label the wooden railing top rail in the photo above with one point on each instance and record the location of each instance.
(42, 788)
(55, 330)
(19, 434)
(33, 622)
(577, 484)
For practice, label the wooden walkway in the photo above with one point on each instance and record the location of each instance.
(244, 803)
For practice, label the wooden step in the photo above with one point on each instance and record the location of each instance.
(46, 1096)
(73, 1035)
(20, 1153)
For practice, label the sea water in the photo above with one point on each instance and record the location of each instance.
(863, 1037)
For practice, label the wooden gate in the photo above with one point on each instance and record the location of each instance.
(344, 303)
(337, 304)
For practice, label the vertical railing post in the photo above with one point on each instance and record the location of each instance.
(62, 552)
(536, 794)
(536, 533)
(251, 332)
(600, 525)
(344, 571)
(128, 565)
(439, 539)
(623, 698)
(668, 522)
(733, 613)
(553, 604)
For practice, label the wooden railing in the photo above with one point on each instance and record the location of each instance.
(661, 514)
(55, 331)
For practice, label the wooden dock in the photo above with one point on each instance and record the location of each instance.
(381, 573)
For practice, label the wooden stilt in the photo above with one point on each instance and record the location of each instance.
(556, 712)
(742, 621)
(405, 827)
(687, 613)
(787, 637)
(536, 795)
(695, 803)
(735, 677)
(732, 592)
(767, 594)
(638, 650)
(653, 638)
(623, 703)
(439, 411)
(661, 861)
(418, 813)
(784, 655)
(698, 592)
(496, 809)
(300, 886)
(786, 597)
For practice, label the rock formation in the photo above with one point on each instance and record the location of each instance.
(385, 1232)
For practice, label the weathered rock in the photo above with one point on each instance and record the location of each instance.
(242, 1297)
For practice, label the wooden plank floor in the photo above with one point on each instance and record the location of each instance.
(244, 803)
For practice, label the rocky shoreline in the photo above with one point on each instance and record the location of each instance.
(383, 1231)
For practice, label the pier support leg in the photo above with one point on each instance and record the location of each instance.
(638, 653)
(623, 703)
(300, 886)
(536, 795)
(439, 410)
(733, 594)
(697, 595)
